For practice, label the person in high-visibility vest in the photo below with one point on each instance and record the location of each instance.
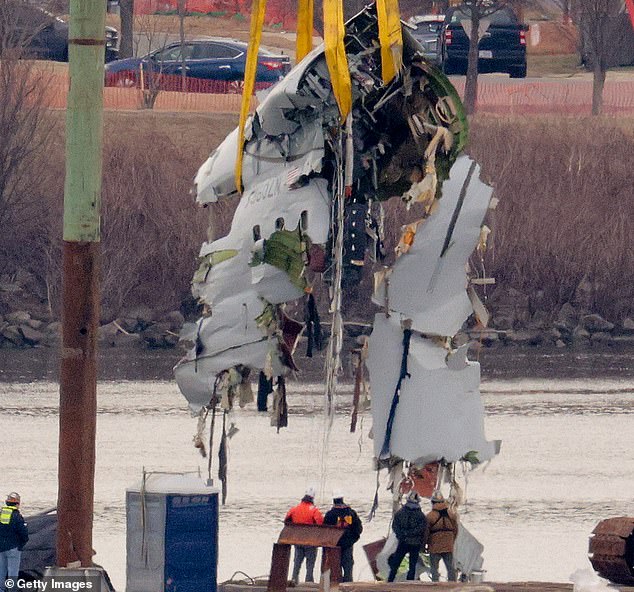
(343, 516)
(14, 534)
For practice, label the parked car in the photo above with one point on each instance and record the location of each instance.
(502, 47)
(212, 65)
(426, 29)
(44, 35)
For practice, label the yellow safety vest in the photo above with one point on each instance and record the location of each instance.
(6, 513)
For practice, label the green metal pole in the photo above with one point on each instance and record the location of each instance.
(80, 289)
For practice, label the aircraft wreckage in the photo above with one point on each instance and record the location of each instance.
(313, 174)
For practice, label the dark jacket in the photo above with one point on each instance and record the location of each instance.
(343, 516)
(410, 525)
(443, 528)
(15, 534)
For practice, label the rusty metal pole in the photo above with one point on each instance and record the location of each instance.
(80, 291)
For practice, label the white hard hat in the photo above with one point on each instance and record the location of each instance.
(13, 498)
(437, 496)
(413, 496)
(310, 491)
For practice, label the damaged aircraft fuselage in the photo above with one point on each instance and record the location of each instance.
(304, 177)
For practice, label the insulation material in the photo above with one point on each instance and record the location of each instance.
(426, 287)
(439, 414)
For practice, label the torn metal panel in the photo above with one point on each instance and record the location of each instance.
(428, 284)
(215, 177)
(274, 199)
(273, 284)
(270, 202)
(196, 378)
(467, 552)
(439, 414)
(224, 280)
(282, 139)
(308, 182)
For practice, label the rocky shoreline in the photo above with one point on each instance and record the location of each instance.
(27, 321)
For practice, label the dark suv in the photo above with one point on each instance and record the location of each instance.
(502, 47)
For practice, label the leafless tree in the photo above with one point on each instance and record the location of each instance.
(25, 127)
(596, 20)
(150, 36)
(126, 14)
(182, 7)
(478, 11)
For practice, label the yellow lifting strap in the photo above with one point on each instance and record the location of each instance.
(258, 8)
(334, 31)
(305, 12)
(390, 37)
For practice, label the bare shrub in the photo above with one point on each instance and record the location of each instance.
(151, 227)
(566, 211)
(25, 138)
(151, 230)
(565, 214)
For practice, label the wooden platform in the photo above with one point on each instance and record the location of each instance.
(260, 586)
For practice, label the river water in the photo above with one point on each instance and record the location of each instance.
(566, 462)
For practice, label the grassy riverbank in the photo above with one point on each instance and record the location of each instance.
(562, 230)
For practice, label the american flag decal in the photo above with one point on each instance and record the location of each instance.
(292, 176)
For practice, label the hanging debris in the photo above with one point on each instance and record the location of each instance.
(297, 159)
(358, 121)
(430, 409)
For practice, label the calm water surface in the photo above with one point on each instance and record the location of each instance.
(566, 459)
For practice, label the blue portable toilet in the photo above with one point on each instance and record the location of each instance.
(172, 534)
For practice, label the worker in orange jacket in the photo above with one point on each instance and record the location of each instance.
(306, 512)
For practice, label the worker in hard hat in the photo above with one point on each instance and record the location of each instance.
(410, 527)
(306, 512)
(14, 534)
(343, 516)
